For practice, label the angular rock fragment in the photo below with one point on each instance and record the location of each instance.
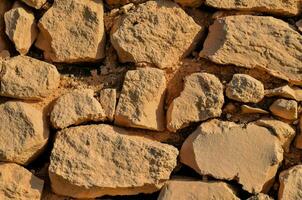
(23, 132)
(199, 190)
(24, 77)
(286, 91)
(96, 160)
(290, 183)
(75, 108)
(201, 99)
(108, 102)
(245, 109)
(229, 151)
(260, 196)
(287, 109)
(278, 7)
(256, 42)
(79, 37)
(190, 3)
(5, 5)
(17, 182)
(141, 103)
(156, 32)
(35, 3)
(245, 88)
(20, 27)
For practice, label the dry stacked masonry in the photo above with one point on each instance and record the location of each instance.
(135, 99)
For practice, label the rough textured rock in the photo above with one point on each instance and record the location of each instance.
(283, 131)
(17, 182)
(35, 3)
(20, 27)
(79, 37)
(245, 88)
(228, 151)
(5, 5)
(256, 42)
(96, 160)
(23, 132)
(285, 92)
(75, 108)
(108, 102)
(290, 183)
(197, 190)
(260, 196)
(279, 7)
(190, 3)
(245, 109)
(141, 103)
(24, 77)
(201, 99)
(156, 32)
(287, 109)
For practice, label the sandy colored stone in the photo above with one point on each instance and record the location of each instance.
(18, 183)
(285, 91)
(290, 184)
(283, 131)
(197, 190)
(245, 88)
(256, 42)
(278, 7)
(245, 109)
(21, 28)
(96, 160)
(108, 102)
(299, 25)
(76, 107)
(35, 3)
(72, 31)
(201, 99)
(287, 109)
(228, 151)
(156, 32)
(5, 5)
(190, 3)
(24, 77)
(260, 196)
(23, 132)
(141, 102)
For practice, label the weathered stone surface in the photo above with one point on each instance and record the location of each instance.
(190, 3)
(17, 182)
(156, 32)
(260, 196)
(24, 77)
(245, 88)
(256, 42)
(96, 160)
(201, 99)
(23, 132)
(5, 5)
(283, 131)
(287, 109)
(35, 3)
(76, 107)
(197, 190)
(299, 25)
(229, 151)
(245, 109)
(279, 7)
(141, 103)
(290, 184)
(108, 102)
(72, 31)
(285, 92)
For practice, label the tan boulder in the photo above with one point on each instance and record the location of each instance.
(72, 31)
(108, 102)
(5, 5)
(245, 88)
(24, 77)
(96, 160)
(23, 132)
(197, 190)
(17, 182)
(76, 107)
(201, 99)
(287, 109)
(155, 32)
(260, 196)
(190, 3)
(290, 184)
(141, 102)
(278, 7)
(229, 151)
(256, 42)
(245, 109)
(283, 131)
(286, 91)
(21, 28)
(35, 3)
